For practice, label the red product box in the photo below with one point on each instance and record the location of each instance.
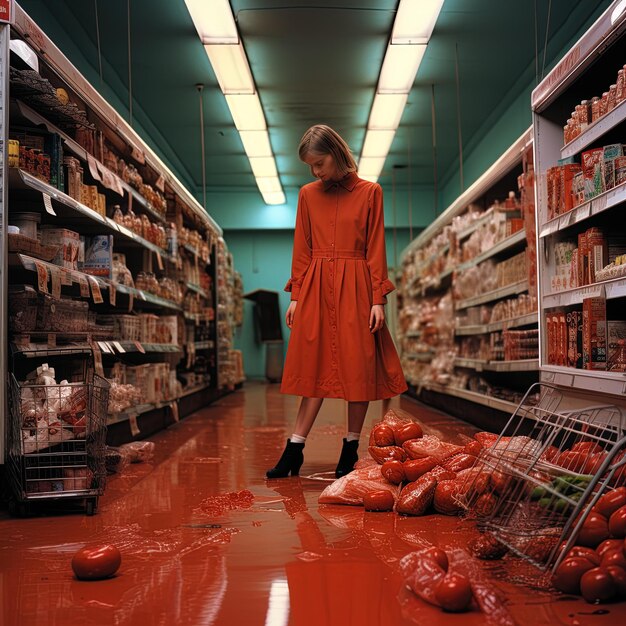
(594, 333)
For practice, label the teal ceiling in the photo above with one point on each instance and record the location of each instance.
(314, 62)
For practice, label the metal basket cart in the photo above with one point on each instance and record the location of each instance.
(56, 441)
(539, 493)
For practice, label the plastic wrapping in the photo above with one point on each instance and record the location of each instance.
(116, 460)
(139, 451)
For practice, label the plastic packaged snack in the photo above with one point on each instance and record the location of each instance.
(139, 451)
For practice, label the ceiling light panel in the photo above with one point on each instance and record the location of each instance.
(277, 197)
(387, 111)
(230, 65)
(269, 184)
(415, 21)
(263, 166)
(399, 68)
(377, 143)
(214, 21)
(256, 143)
(371, 166)
(247, 112)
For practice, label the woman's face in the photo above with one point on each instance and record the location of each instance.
(322, 166)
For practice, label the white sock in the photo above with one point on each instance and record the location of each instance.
(297, 439)
(353, 436)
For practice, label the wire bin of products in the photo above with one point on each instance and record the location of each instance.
(56, 441)
(536, 483)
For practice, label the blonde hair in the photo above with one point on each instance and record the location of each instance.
(322, 140)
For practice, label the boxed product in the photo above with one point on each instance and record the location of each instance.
(615, 330)
(592, 171)
(68, 242)
(620, 170)
(575, 339)
(22, 308)
(98, 256)
(597, 253)
(594, 333)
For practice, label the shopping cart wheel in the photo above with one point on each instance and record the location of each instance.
(91, 506)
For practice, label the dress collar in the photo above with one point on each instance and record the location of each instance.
(348, 182)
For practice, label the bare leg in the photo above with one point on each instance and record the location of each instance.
(309, 408)
(356, 416)
(385, 406)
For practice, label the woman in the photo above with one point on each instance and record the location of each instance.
(339, 345)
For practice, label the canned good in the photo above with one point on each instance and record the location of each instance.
(14, 153)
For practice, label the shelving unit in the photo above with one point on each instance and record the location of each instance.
(582, 315)
(452, 336)
(149, 309)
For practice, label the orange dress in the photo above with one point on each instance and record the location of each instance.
(339, 269)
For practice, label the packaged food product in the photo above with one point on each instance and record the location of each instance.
(594, 333)
(22, 302)
(68, 242)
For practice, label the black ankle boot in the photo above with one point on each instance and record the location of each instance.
(348, 458)
(290, 461)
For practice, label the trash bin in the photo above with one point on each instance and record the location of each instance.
(268, 330)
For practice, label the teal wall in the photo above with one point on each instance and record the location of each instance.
(264, 261)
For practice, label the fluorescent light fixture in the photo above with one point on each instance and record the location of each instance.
(213, 20)
(269, 184)
(617, 11)
(256, 143)
(377, 143)
(415, 21)
(372, 179)
(371, 166)
(274, 197)
(399, 68)
(263, 166)
(247, 111)
(230, 65)
(387, 111)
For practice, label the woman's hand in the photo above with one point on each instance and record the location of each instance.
(377, 317)
(291, 311)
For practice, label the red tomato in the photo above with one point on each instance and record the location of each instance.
(597, 585)
(611, 501)
(485, 504)
(609, 545)
(473, 447)
(454, 593)
(386, 453)
(501, 482)
(618, 575)
(94, 562)
(378, 500)
(617, 523)
(585, 553)
(381, 435)
(594, 462)
(619, 478)
(437, 554)
(413, 469)
(569, 572)
(594, 531)
(407, 431)
(614, 557)
(446, 493)
(550, 453)
(589, 447)
(573, 461)
(393, 471)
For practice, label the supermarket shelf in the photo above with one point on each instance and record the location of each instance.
(615, 288)
(74, 276)
(491, 296)
(473, 396)
(413, 334)
(515, 239)
(474, 226)
(442, 282)
(123, 416)
(132, 347)
(476, 364)
(595, 131)
(196, 389)
(612, 383)
(521, 365)
(204, 345)
(82, 154)
(601, 202)
(197, 289)
(423, 357)
(514, 322)
(19, 179)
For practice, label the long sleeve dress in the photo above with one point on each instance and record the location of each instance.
(339, 270)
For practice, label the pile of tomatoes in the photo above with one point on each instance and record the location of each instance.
(596, 567)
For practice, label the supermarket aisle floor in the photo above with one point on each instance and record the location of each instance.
(269, 555)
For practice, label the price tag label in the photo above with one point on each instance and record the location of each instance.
(56, 283)
(84, 286)
(159, 260)
(160, 183)
(599, 204)
(104, 347)
(134, 426)
(119, 347)
(175, 414)
(42, 277)
(96, 294)
(131, 301)
(139, 347)
(142, 295)
(583, 212)
(47, 202)
(112, 294)
(93, 168)
(97, 359)
(138, 155)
